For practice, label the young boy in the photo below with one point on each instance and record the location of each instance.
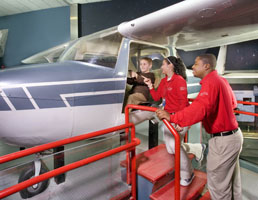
(140, 91)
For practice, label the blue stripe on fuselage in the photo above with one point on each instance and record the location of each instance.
(3, 104)
(98, 99)
(18, 98)
(49, 96)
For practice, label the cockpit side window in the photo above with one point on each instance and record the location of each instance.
(157, 54)
(138, 51)
(99, 50)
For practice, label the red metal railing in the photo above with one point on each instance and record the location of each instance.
(129, 147)
(244, 103)
(177, 138)
(247, 103)
(131, 172)
(244, 112)
(177, 143)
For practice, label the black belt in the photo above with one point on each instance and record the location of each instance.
(224, 133)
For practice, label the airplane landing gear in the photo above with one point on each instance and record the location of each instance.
(33, 171)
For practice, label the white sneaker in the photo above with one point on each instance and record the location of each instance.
(200, 158)
(186, 182)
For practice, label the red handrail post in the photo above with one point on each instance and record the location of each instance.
(133, 165)
(177, 158)
(177, 143)
(128, 180)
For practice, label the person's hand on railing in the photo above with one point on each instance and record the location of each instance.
(162, 114)
(178, 128)
(237, 109)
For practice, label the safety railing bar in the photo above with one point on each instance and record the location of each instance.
(241, 111)
(33, 150)
(248, 103)
(20, 186)
(246, 113)
(238, 102)
(177, 143)
(56, 153)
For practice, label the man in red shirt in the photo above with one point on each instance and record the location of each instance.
(214, 107)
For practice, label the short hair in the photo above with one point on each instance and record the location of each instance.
(208, 59)
(149, 60)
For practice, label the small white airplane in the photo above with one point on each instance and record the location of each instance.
(81, 86)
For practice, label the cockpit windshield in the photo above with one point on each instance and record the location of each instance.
(100, 48)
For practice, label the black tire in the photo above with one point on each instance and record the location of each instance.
(32, 191)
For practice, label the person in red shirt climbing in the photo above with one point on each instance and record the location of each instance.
(173, 91)
(214, 107)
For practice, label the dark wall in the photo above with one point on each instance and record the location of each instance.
(242, 56)
(32, 32)
(189, 56)
(98, 16)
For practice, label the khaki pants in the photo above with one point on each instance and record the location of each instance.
(136, 98)
(193, 148)
(186, 169)
(223, 171)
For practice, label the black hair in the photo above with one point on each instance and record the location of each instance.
(179, 66)
(209, 59)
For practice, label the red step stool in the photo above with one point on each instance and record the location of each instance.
(155, 168)
(191, 192)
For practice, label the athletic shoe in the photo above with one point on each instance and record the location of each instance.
(200, 158)
(186, 182)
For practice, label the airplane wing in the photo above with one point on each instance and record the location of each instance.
(197, 24)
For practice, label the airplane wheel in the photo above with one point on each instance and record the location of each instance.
(34, 189)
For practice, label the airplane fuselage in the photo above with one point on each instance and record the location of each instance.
(48, 102)
(40, 104)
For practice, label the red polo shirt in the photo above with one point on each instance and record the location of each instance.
(174, 91)
(213, 106)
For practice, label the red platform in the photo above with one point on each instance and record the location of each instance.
(186, 193)
(123, 196)
(206, 196)
(155, 163)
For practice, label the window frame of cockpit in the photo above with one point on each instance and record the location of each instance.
(149, 44)
(98, 55)
(168, 52)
